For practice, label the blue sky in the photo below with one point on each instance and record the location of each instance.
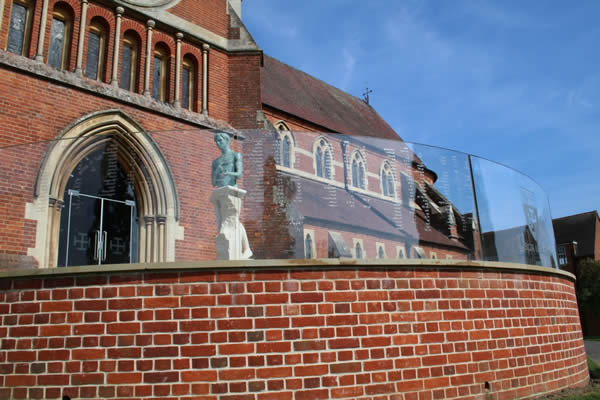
(517, 82)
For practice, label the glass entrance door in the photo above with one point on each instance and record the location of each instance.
(98, 231)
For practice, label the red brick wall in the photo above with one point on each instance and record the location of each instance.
(188, 150)
(211, 15)
(291, 333)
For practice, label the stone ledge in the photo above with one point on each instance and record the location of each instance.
(70, 79)
(324, 263)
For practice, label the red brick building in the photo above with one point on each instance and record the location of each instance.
(131, 90)
(108, 110)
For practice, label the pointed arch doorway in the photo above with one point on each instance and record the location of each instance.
(105, 195)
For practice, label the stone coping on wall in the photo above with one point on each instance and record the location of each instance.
(318, 263)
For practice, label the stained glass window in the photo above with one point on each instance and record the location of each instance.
(93, 55)
(57, 43)
(17, 34)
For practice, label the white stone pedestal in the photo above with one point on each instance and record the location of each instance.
(232, 241)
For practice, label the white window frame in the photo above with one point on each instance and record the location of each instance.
(362, 246)
(401, 250)
(313, 246)
(385, 169)
(361, 160)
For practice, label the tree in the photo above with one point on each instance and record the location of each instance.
(587, 289)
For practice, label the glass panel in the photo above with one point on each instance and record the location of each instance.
(361, 175)
(185, 88)
(516, 225)
(435, 211)
(286, 151)
(156, 78)
(16, 33)
(98, 214)
(93, 55)
(126, 68)
(319, 162)
(327, 161)
(57, 38)
(116, 222)
(79, 231)
(307, 247)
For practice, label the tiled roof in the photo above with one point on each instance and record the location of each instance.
(297, 93)
(580, 228)
(328, 204)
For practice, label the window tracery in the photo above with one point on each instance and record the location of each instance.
(285, 150)
(386, 177)
(358, 170)
(323, 159)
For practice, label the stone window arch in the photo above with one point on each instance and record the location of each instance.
(323, 158)
(157, 204)
(358, 170)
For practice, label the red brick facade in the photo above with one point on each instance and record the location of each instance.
(397, 332)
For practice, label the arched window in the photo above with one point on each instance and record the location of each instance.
(388, 188)
(380, 252)
(358, 253)
(358, 171)
(285, 145)
(188, 83)
(323, 159)
(96, 49)
(160, 73)
(19, 31)
(60, 36)
(401, 252)
(129, 61)
(308, 244)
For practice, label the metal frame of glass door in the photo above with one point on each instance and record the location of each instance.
(100, 245)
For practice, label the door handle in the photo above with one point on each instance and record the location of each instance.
(104, 248)
(96, 244)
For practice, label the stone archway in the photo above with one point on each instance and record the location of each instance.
(156, 196)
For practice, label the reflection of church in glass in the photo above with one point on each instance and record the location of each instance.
(344, 195)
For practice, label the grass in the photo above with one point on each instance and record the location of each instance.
(594, 368)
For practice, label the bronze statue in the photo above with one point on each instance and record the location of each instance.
(226, 169)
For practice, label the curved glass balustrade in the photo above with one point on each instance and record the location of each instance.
(118, 195)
